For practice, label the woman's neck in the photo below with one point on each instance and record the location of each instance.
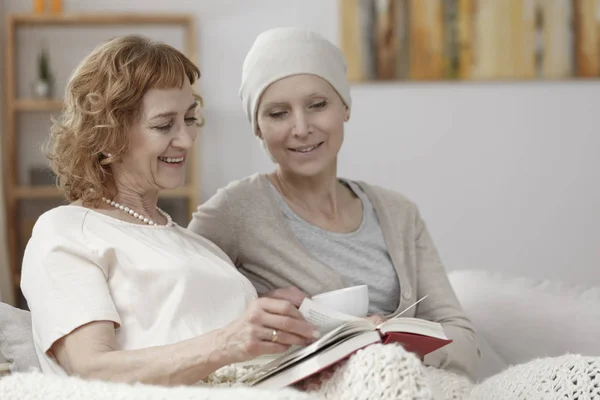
(319, 194)
(142, 203)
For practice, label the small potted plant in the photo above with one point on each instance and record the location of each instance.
(43, 85)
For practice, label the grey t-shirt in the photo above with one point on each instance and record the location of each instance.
(361, 257)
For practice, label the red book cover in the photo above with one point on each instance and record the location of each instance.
(418, 344)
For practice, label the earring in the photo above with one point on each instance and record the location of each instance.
(109, 155)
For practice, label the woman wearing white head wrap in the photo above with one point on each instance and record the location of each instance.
(302, 230)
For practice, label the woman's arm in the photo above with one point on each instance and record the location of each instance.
(462, 355)
(91, 351)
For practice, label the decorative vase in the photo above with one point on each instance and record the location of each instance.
(42, 89)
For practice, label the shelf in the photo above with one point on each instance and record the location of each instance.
(16, 107)
(99, 19)
(37, 192)
(37, 105)
(49, 192)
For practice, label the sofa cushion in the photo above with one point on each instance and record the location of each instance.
(16, 340)
(519, 319)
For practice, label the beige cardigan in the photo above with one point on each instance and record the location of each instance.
(245, 220)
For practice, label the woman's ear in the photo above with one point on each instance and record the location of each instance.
(346, 114)
(105, 158)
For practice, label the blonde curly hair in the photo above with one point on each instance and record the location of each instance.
(102, 100)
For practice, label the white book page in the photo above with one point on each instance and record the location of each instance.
(413, 325)
(323, 318)
(409, 307)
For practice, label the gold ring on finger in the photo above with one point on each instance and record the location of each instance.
(274, 335)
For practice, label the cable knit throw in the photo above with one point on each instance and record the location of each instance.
(376, 372)
(384, 372)
(572, 377)
(37, 386)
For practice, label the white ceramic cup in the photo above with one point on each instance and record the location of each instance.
(352, 300)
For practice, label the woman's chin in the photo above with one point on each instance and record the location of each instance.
(310, 169)
(171, 185)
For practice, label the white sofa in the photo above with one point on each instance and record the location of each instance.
(520, 319)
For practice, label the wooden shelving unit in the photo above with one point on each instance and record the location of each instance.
(36, 105)
(51, 192)
(16, 193)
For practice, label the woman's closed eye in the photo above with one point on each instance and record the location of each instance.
(277, 114)
(190, 121)
(320, 104)
(166, 127)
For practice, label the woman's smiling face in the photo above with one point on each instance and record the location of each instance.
(301, 119)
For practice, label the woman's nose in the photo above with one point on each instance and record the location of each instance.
(185, 137)
(301, 125)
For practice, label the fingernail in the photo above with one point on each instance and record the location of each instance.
(316, 334)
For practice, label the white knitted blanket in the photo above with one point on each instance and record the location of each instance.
(569, 377)
(377, 372)
(37, 386)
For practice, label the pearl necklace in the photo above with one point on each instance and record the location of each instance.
(138, 215)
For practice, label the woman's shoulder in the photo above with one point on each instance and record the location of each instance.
(246, 191)
(388, 198)
(61, 227)
(252, 182)
(62, 220)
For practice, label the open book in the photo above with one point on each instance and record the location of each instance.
(343, 335)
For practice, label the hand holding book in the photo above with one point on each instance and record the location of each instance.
(269, 326)
(343, 335)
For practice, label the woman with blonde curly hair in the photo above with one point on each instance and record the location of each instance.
(117, 290)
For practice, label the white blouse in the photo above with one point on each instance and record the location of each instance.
(158, 284)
